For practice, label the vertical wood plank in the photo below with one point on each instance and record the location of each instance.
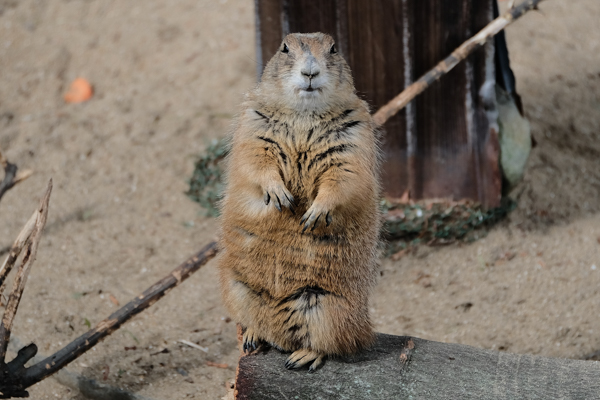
(455, 149)
(313, 16)
(269, 15)
(486, 126)
(442, 150)
(379, 62)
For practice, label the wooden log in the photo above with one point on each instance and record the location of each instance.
(410, 368)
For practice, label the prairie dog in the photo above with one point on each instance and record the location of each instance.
(300, 212)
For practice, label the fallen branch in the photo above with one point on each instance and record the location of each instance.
(26, 377)
(458, 55)
(11, 175)
(15, 377)
(89, 388)
(406, 367)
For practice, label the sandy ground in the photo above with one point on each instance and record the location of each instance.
(168, 77)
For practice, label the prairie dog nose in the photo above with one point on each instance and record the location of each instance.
(310, 67)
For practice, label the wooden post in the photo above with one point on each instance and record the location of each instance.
(442, 145)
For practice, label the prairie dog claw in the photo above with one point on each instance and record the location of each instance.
(279, 196)
(302, 357)
(313, 216)
(251, 341)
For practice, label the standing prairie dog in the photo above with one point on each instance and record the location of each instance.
(300, 212)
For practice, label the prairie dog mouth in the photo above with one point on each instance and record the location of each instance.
(309, 89)
(309, 92)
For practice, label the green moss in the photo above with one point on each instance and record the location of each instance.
(206, 183)
(440, 222)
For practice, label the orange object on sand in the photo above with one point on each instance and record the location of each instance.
(80, 91)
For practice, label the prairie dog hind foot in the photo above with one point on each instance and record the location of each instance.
(301, 357)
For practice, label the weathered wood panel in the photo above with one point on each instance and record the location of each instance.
(379, 56)
(443, 143)
(411, 368)
(453, 131)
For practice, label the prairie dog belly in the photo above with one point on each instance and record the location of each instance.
(298, 261)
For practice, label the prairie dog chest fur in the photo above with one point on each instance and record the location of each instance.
(306, 146)
(300, 213)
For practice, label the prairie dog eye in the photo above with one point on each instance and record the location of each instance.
(285, 49)
(333, 50)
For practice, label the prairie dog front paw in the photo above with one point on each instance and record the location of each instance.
(278, 194)
(315, 215)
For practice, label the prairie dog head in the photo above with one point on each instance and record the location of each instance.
(307, 73)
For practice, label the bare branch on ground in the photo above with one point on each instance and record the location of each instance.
(79, 346)
(89, 388)
(16, 377)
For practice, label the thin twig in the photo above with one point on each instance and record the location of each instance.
(11, 175)
(194, 345)
(16, 248)
(58, 360)
(23, 271)
(445, 66)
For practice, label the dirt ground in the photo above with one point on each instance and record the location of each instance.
(168, 77)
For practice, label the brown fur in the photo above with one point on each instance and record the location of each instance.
(303, 291)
